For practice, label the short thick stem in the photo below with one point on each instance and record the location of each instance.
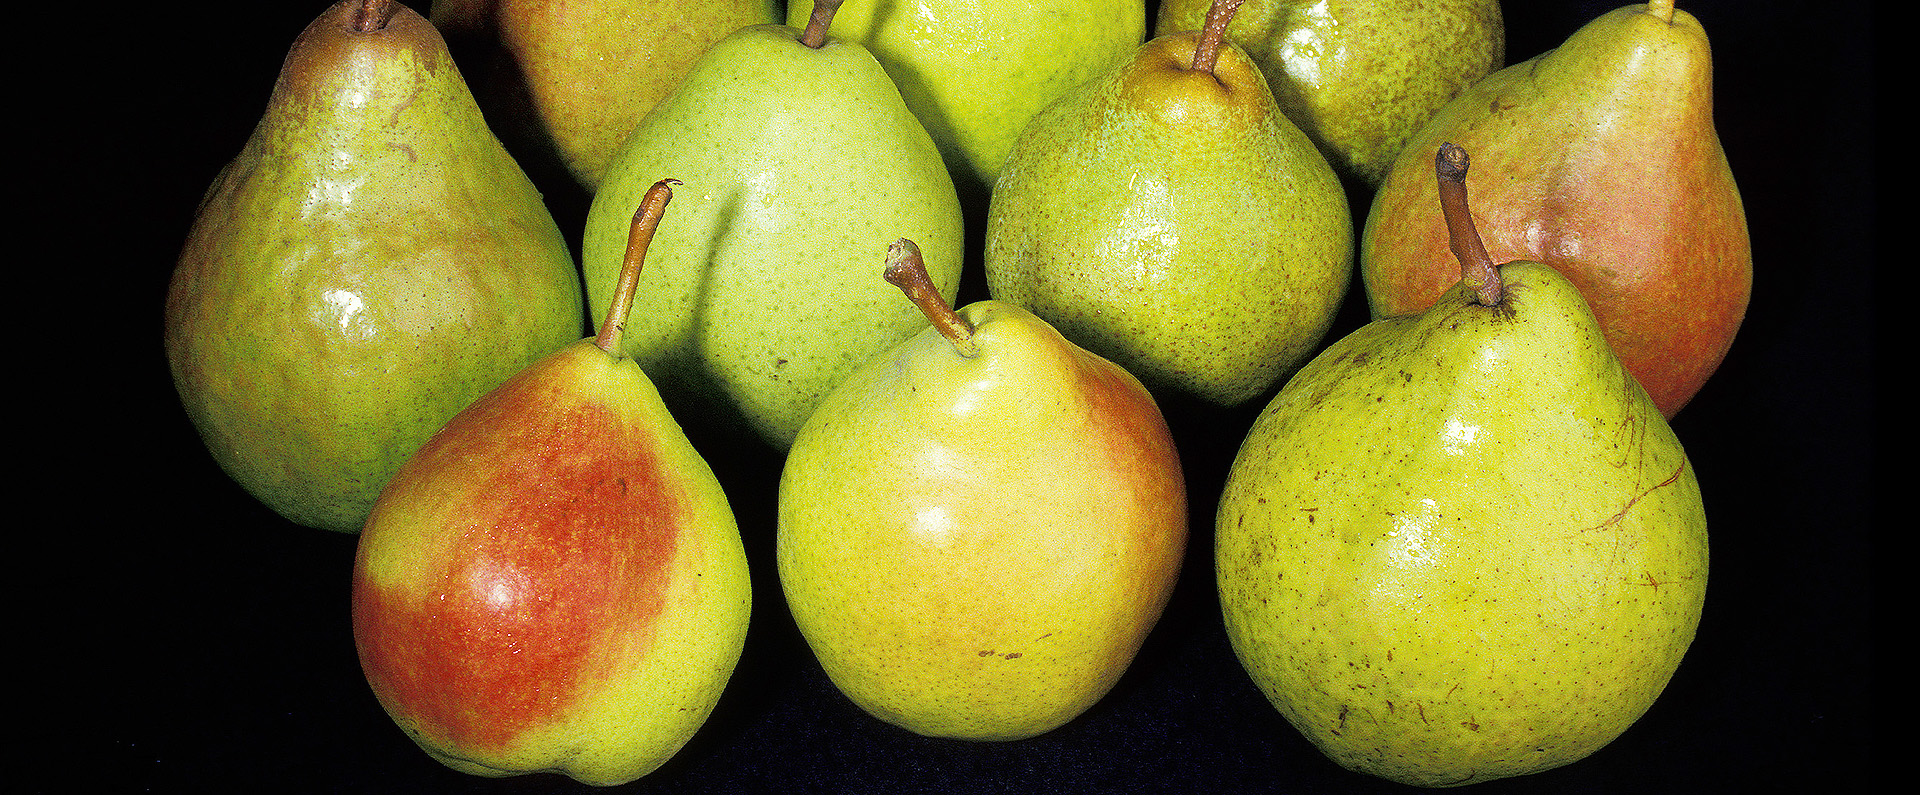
(372, 15)
(646, 220)
(1213, 35)
(815, 36)
(907, 271)
(1476, 268)
(1661, 9)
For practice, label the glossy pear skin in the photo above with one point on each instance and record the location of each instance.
(1360, 76)
(798, 165)
(975, 71)
(1174, 222)
(1463, 545)
(368, 264)
(581, 73)
(1599, 158)
(555, 582)
(975, 548)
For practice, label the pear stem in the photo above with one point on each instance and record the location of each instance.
(646, 220)
(372, 16)
(907, 271)
(815, 36)
(1213, 35)
(1476, 268)
(1661, 9)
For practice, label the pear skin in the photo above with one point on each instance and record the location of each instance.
(799, 163)
(555, 582)
(976, 546)
(976, 72)
(1360, 77)
(1600, 159)
(369, 263)
(1172, 220)
(578, 75)
(1463, 545)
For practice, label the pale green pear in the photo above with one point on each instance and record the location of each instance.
(799, 162)
(1360, 76)
(575, 76)
(1463, 545)
(555, 582)
(1167, 217)
(975, 71)
(368, 264)
(978, 528)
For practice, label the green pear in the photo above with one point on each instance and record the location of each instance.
(976, 71)
(978, 528)
(573, 77)
(368, 264)
(1360, 76)
(1603, 162)
(1463, 545)
(1168, 217)
(800, 160)
(555, 583)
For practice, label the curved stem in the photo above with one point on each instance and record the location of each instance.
(1476, 268)
(372, 15)
(815, 36)
(907, 271)
(1206, 54)
(646, 220)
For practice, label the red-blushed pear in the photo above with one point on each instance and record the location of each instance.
(1600, 159)
(978, 528)
(555, 581)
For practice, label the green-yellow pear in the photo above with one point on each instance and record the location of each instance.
(368, 264)
(1601, 160)
(1360, 76)
(800, 160)
(555, 583)
(975, 71)
(1166, 216)
(579, 74)
(1463, 545)
(978, 528)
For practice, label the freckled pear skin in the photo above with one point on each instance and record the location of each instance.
(1174, 222)
(975, 548)
(799, 164)
(368, 264)
(1463, 545)
(1360, 76)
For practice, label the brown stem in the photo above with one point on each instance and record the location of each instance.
(1213, 35)
(1476, 268)
(646, 220)
(815, 35)
(371, 16)
(907, 271)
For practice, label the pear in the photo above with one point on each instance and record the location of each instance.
(1463, 545)
(555, 582)
(1360, 76)
(800, 160)
(368, 264)
(1168, 217)
(574, 77)
(1603, 162)
(977, 529)
(975, 73)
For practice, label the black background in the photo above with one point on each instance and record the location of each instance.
(181, 637)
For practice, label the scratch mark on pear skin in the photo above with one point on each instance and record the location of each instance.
(1616, 518)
